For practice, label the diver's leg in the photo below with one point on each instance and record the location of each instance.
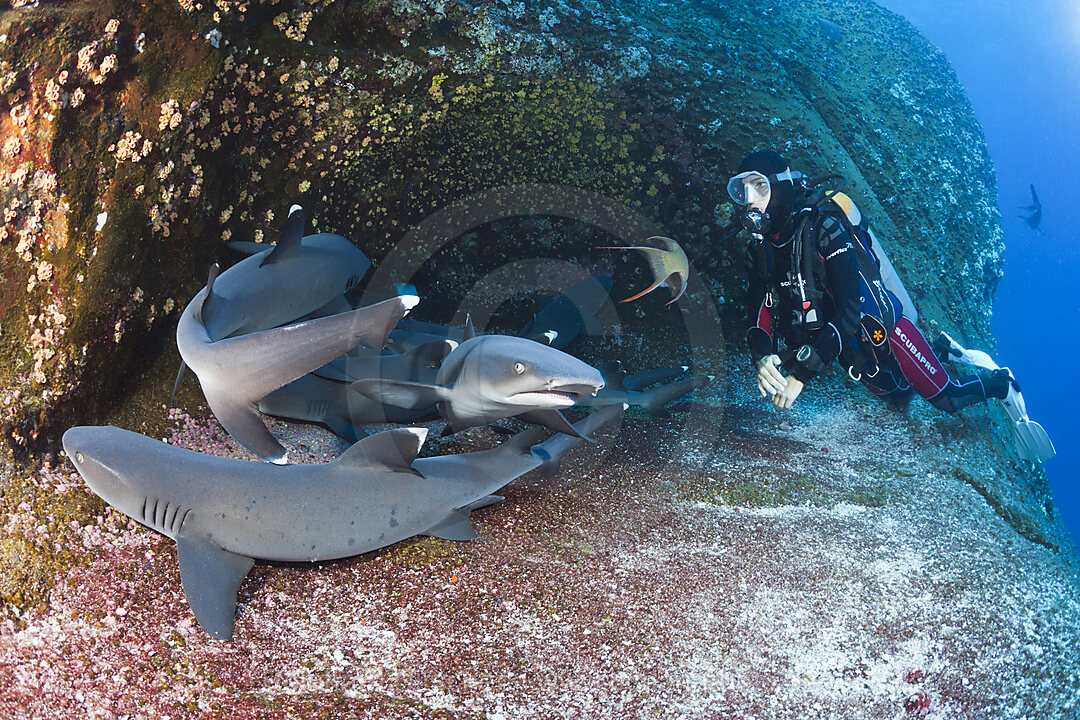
(922, 368)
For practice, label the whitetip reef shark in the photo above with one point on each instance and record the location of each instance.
(236, 372)
(490, 377)
(278, 284)
(325, 395)
(225, 513)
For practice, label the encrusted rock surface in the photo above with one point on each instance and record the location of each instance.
(773, 567)
(728, 562)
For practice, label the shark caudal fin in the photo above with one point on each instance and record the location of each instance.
(211, 576)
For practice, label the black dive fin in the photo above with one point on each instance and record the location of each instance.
(455, 526)
(344, 429)
(179, 378)
(289, 244)
(551, 419)
(211, 576)
(470, 332)
(394, 449)
(399, 393)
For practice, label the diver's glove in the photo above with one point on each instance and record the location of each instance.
(786, 397)
(770, 379)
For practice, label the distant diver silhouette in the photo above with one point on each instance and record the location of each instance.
(1035, 210)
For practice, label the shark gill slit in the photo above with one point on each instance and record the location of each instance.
(170, 515)
(179, 519)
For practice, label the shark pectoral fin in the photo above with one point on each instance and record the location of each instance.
(523, 442)
(245, 425)
(551, 419)
(394, 449)
(344, 429)
(211, 576)
(455, 526)
(483, 502)
(549, 466)
(289, 244)
(400, 393)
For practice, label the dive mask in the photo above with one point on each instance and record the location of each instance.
(753, 187)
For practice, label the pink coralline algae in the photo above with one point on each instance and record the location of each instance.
(914, 675)
(918, 704)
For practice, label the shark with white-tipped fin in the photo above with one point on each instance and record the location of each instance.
(225, 513)
(236, 372)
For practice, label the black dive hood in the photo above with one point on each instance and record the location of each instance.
(778, 213)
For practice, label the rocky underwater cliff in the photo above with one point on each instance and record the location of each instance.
(850, 559)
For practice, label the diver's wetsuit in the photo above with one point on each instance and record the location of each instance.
(774, 308)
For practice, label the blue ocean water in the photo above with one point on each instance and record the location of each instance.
(1020, 64)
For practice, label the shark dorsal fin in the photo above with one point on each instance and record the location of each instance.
(289, 244)
(470, 331)
(393, 449)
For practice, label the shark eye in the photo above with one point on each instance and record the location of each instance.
(519, 367)
(79, 457)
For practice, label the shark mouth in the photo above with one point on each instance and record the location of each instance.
(553, 398)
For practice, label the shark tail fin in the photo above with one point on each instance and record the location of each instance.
(395, 449)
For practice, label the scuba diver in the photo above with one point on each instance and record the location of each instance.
(822, 289)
